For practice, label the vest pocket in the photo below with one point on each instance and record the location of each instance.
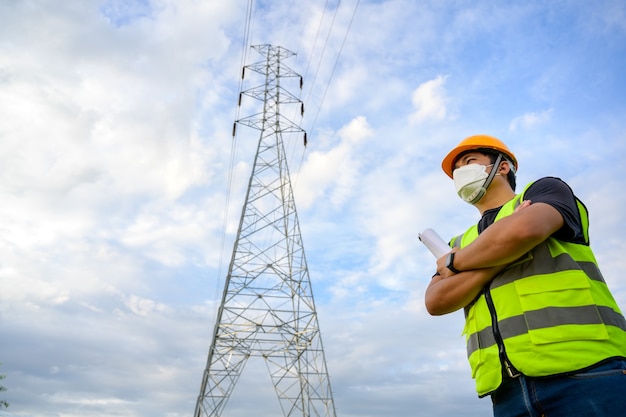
(559, 308)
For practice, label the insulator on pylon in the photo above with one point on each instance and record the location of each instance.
(234, 128)
(243, 72)
(301, 109)
(240, 94)
(301, 82)
(305, 141)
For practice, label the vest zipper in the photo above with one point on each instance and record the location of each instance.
(504, 360)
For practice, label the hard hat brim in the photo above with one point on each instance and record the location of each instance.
(448, 162)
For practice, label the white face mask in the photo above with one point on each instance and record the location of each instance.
(470, 182)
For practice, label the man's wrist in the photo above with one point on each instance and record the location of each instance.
(450, 263)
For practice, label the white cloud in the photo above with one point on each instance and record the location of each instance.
(530, 120)
(144, 307)
(429, 101)
(334, 171)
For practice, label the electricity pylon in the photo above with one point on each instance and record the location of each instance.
(267, 307)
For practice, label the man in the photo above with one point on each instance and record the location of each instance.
(544, 335)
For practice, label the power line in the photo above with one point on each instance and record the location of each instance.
(233, 148)
(319, 28)
(332, 24)
(345, 37)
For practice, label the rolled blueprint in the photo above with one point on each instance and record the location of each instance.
(435, 244)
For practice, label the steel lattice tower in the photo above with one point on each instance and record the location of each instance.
(267, 308)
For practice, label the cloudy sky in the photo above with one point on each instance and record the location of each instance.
(117, 219)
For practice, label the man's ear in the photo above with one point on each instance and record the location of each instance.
(505, 167)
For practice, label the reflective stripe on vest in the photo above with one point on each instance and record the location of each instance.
(554, 311)
(549, 317)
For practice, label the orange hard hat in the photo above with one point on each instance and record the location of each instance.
(472, 143)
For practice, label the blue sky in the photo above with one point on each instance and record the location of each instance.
(115, 150)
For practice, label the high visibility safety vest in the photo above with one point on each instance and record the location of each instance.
(548, 313)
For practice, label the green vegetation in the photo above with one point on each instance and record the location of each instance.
(3, 403)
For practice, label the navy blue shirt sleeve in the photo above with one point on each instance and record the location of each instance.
(558, 194)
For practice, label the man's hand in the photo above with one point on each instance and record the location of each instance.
(451, 292)
(525, 203)
(442, 270)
